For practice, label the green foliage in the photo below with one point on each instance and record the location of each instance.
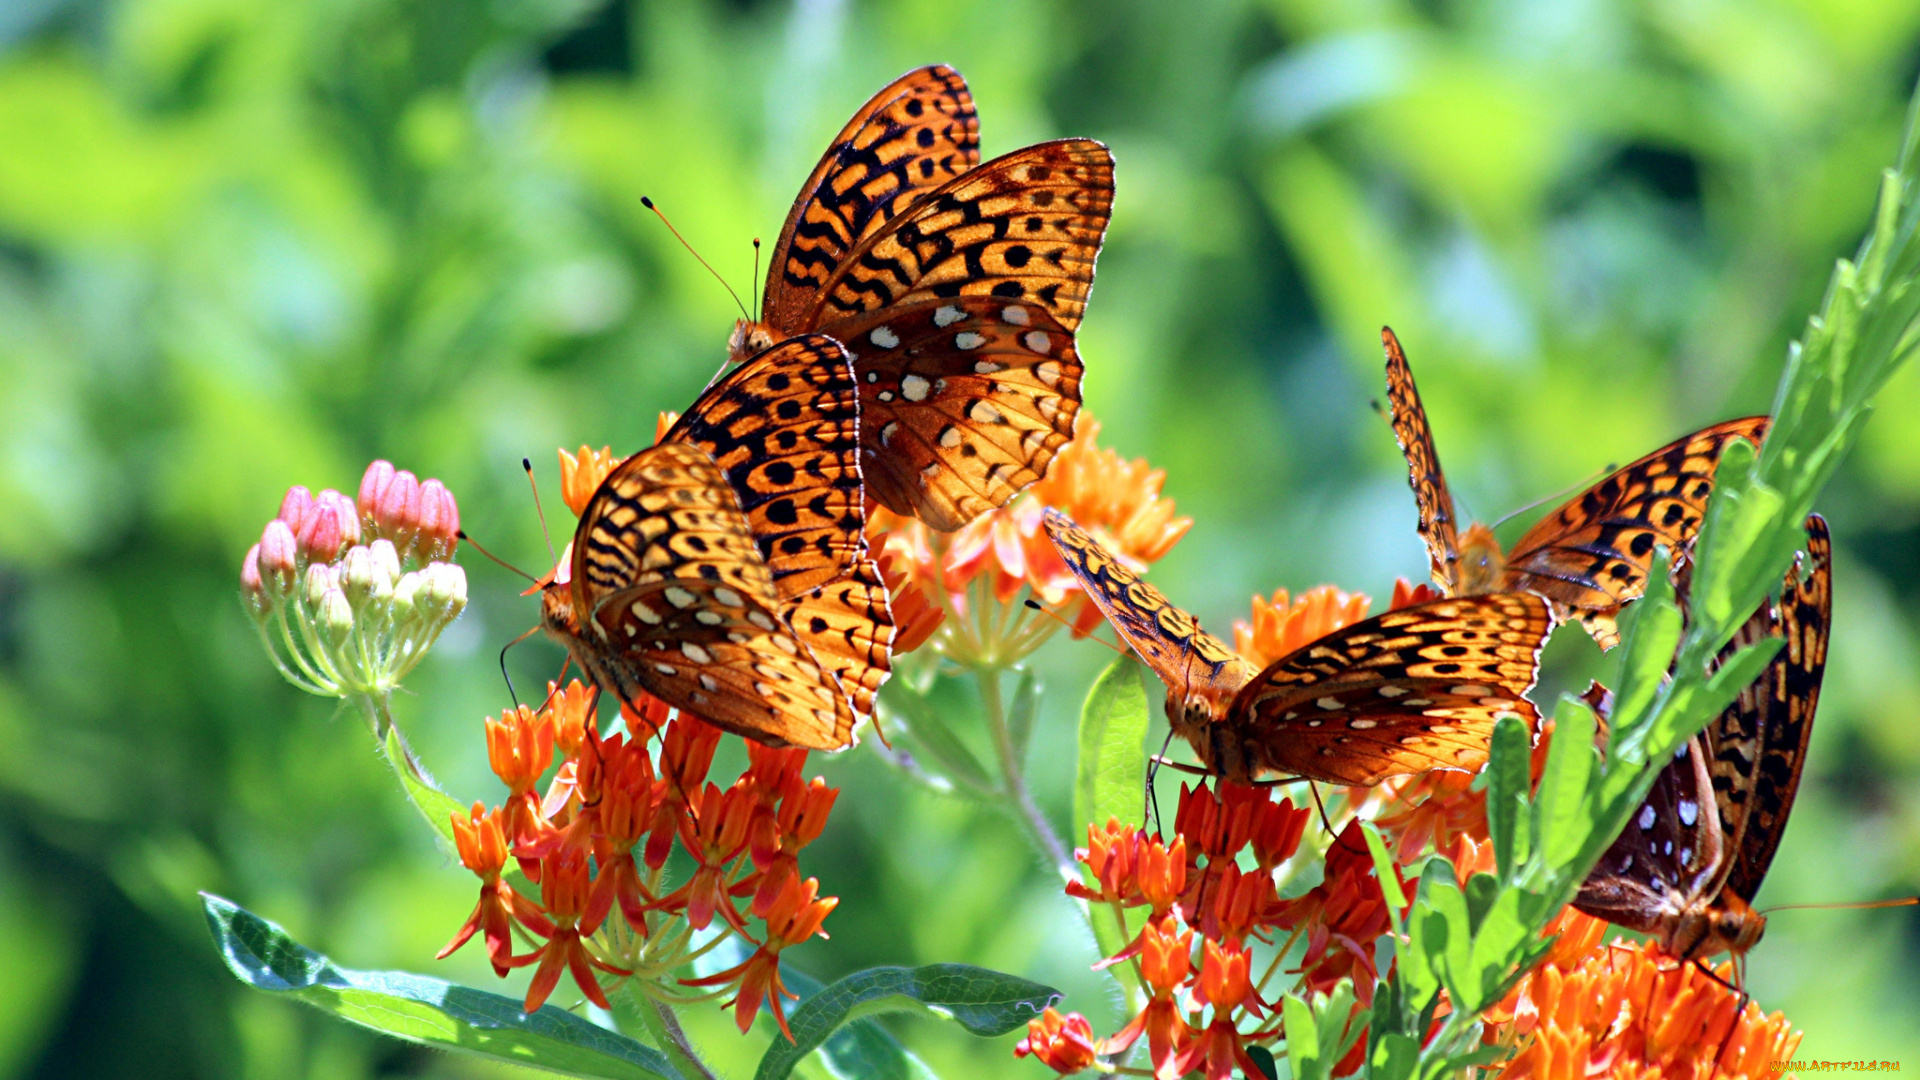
(982, 1002)
(430, 1012)
(1112, 772)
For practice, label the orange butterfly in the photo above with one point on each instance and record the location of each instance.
(957, 286)
(1417, 688)
(1591, 555)
(724, 570)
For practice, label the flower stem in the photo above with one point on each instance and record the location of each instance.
(1013, 777)
(671, 1039)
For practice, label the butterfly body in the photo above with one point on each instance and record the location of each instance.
(1410, 690)
(1689, 864)
(1589, 556)
(956, 286)
(724, 570)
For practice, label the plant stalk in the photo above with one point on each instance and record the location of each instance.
(1014, 779)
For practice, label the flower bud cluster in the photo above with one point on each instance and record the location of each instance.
(350, 594)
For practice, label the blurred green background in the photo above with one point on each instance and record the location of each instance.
(248, 244)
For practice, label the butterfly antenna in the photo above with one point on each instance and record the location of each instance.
(1905, 901)
(544, 534)
(462, 534)
(753, 285)
(1055, 616)
(1562, 493)
(1152, 809)
(648, 203)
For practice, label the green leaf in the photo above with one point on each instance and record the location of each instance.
(1021, 712)
(860, 1048)
(1383, 868)
(430, 1012)
(1263, 1060)
(1303, 1040)
(1508, 779)
(438, 807)
(1560, 822)
(984, 1002)
(1111, 780)
(925, 727)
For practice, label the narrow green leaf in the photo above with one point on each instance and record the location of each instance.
(932, 732)
(438, 807)
(1394, 1057)
(1383, 868)
(984, 1002)
(1560, 821)
(1021, 712)
(1499, 944)
(430, 1012)
(1448, 935)
(1303, 1041)
(1508, 779)
(1111, 779)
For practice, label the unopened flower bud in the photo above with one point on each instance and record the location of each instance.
(396, 512)
(406, 594)
(445, 593)
(357, 573)
(372, 483)
(253, 591)
(294, 507)
(439, 521)
(278, 551)
(336, 616)
(319, 582)
(325, 531)
(385, 560)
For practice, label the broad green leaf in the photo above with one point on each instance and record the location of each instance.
(430, 1012)
(860, 1049)
(438, 807)
(984, 1002)
(1111, 778)
(1560, 824)
(1394, 1057)
(1263, 1060)
(1499, 943)
(1303, 1040)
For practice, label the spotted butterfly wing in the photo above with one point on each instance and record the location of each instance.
(848, 625)
(876, 257)
(785, 428)
(1430, 494)
(1690, 862)
(914, 135)
(965, 402)
(667, 593)
(1594, 553)
(1200, 671)
(1414, 689)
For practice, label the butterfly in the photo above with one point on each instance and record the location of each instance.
(1411, 690)
(724, 570)
(957, 286)
(1691, 860)
(1593, 553)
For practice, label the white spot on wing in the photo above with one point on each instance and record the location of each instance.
(1328, 703)
(680, 597)
(914, 388)
(760, 619)
(967, 339)
(1646, 817)
(987, 367)
(884, 337)
(1689, 812)
(1392, 691)
(695, 653)
(946, 315)
(728, 597)
(886, 433)
(1362, 723)
(709, 618)
(1015, 314)
(1037, 341)
(950, 438)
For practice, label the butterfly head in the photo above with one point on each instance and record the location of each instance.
(1729, 926)
(1481, 562)
(748, 339)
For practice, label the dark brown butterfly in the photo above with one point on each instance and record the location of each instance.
(1591, 555)
(1689, 864)
(724, 570)
(1415, 689)
(957, 286)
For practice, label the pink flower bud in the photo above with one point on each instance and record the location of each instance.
(397, 513)
(277, 562)
(330, 526)
(439, 521)
(253, 591)
(293, 508)
(377, 476)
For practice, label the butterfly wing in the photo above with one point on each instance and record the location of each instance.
(669, 595)
(1430, 494)
(1413, 689)
(1193, 663)
(1024, 227)
(963, 402)
(1593, 554)
(785, 428)
(1760, 743)
(847, 624)
(914, 135)
(1671, 857)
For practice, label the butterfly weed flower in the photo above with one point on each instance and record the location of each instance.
(1064, 1044)
(349, 594)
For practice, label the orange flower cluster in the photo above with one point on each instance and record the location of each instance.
(1204, 1007)
(597, 836)
(967, 580)
(1628, 1010)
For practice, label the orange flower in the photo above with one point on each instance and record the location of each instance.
(793, 918)
(1064, 1044)
(581, 474)
(564, 892)
(1342, 917)
(1632, 1011)
(483, 850)
(1220, 1047)
(1281, 625)
(1118, 498)
(1166, 960)
(1112, 856)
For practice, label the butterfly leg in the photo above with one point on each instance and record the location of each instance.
(1151, 811)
